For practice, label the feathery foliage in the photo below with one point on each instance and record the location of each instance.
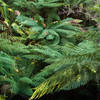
(45, 53)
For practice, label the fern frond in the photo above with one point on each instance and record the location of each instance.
(75, 62)
(66, 78)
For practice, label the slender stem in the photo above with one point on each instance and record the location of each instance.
(9, 28)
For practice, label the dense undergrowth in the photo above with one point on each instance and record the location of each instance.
(48, 46)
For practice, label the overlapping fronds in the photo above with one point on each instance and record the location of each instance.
(51, 33)
(45, 53)
(76, 63)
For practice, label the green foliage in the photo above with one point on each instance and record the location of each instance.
(45, 53)
(51, 33)
(75, 66)
(96, 9)
(2, 97)
(75, 3)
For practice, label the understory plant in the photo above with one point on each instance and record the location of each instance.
(40, 53)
